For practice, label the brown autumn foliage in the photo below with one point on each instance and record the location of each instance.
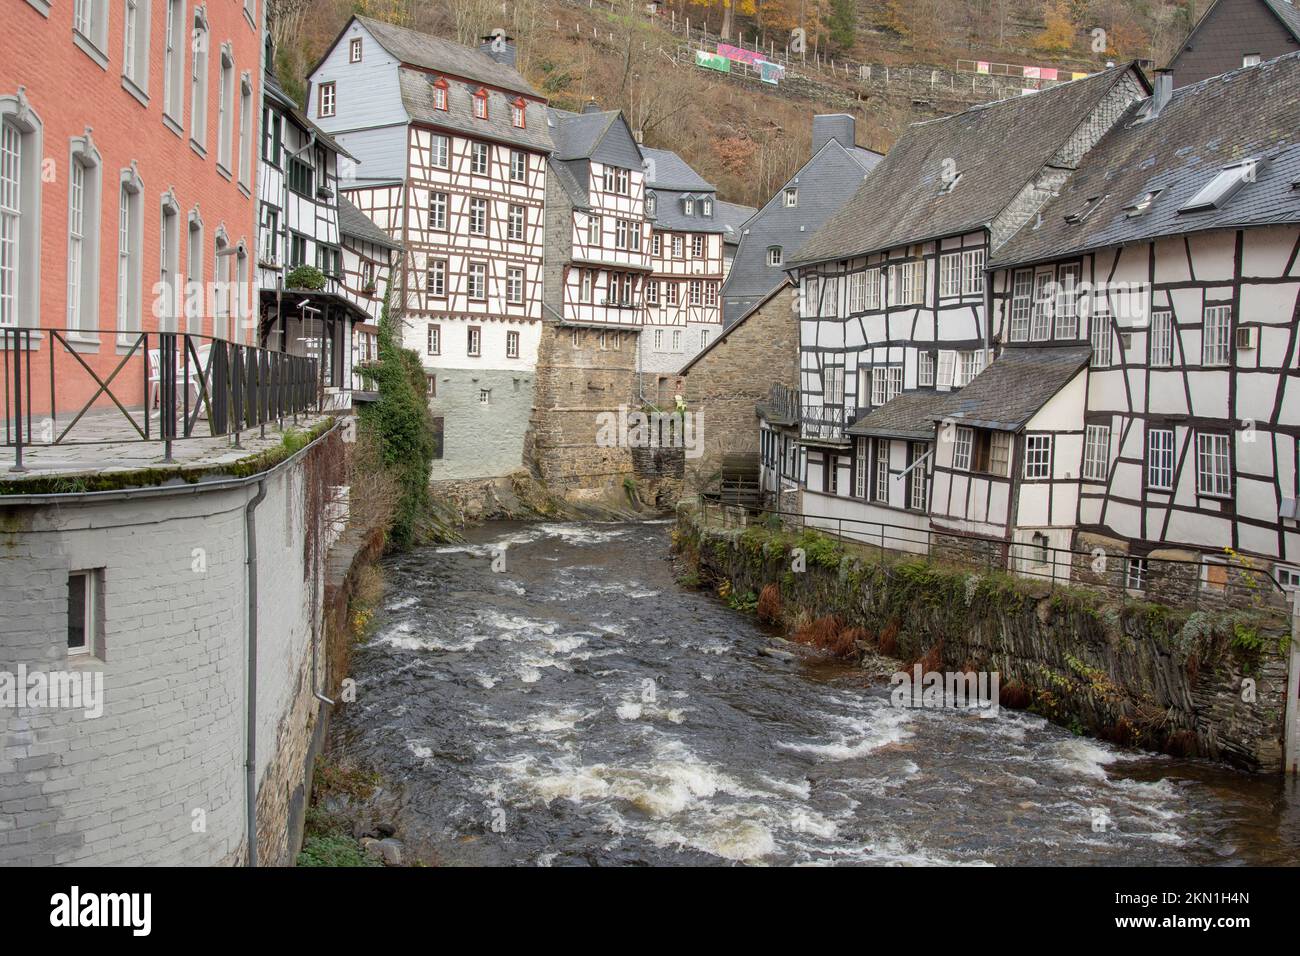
(1015, 695)
(769, 604)
(888, 642)
(829, 635)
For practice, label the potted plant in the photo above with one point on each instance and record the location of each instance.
(305, 277)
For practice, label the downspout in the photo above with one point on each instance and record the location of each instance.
(250, 759)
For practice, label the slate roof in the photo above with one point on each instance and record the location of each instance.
(565, 177)
(666, 170)
(442, 56)
(824, 181)
(1014, 387)
(722, 336)
(670, 213)
(417, 98)
(997, 148)
(353, 222)
(909, 415)
(577, 135)
(1288, 13)
(733, 217)
(1251, 112)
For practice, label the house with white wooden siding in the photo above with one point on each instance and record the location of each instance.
(892, 296)
(370, 257)
(452, 145)
(298, 225)
(1172, 258)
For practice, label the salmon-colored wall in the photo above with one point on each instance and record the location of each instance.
(70, 91)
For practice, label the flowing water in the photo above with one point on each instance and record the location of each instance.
(580, 707)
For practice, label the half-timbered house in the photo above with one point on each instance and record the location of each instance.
(1172, 259)
(452, 144)
(370, 256)
(892, 292)
(683, 311)
(301, 312)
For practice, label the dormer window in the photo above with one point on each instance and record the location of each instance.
(440, 94)
(1084, 211)
(517, 113)
(774, 257)
(650, 204)
(481, 105)
(688, 206)
(706, 207)
(1142, 204)
(792, 196)
(1216, 193)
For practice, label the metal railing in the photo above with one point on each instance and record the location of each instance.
(825, 422)
(156, 387)
(1172, 581)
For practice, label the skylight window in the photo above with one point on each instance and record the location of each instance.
(1142, 204)
(1226, 184)
(1083, 212)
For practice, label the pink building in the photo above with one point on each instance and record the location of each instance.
(128, 144)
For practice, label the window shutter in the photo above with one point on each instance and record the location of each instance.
(947, 363)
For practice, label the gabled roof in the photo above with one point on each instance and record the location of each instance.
(666, 170)
(353, 222)
(1014, 387)
(722, 336)
(1253, 112)
(996, 149)
(580, 135)
(442, 56)
(909, 415)
(733, 218)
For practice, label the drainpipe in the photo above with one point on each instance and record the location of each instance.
(250, 759)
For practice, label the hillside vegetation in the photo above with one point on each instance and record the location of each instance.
(746, 137)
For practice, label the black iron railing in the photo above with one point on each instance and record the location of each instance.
(825, 422)
(156, 387)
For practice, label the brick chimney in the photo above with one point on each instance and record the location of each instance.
(500, 47)
(841, 127)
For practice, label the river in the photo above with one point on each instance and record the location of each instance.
(579, 707)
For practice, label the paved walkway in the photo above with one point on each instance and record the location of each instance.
(103, 442)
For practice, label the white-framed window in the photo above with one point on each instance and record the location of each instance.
(438, 150)
(485, 396)
(947, 369)
(593, 230)
(950, 275)
(1250, 59)
(774, 255)
(656, 245)
(677, 247)
(1162, 339)
(710, 293)
(1216, 335)
(1288, 578)
(1022, 304)
(925, 369)
(972, 272)
(677, 340)
(135, 44)
(244, 164)
(435, 278)
(620, 234)
(860, 467)
(999, 453)
(1038, 456)
(886, 383)
(833, 386)
(1096, 452)
(1067, 302)
(226, 110)
(474, 340)
(169, 258)
(199, 81)
(477, 216)
(917, 491)
(130, 259)
(328, 98)
(518, 165)
(194, 299)
(1160, 459)
(1135, 574)
(871, 301)
(354, 50)
(961, 448)
(20, 213)
(90, 23)
(514, 285)
(476, 284)
(584, 285)
(704, 338)
(1213, 464)
(515, 222)
(907, 282)
(174, 47)
(478, 159)
(652, 292)
(792, 196)
(971, 363)
(512, 345)
(857, 292)
(697, 245)
(84, 608)
(1040, 329)
(433, 336)
(517, 114)
(880, 489)
(440, 95)
(670, 293)
(84, 181)
(1102, 339)
(480, 100)
(659, 340)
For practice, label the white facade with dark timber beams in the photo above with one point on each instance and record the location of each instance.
(452, 144)
(892, 296)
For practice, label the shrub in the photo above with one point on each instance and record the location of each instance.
(769, 604)
(305, 277)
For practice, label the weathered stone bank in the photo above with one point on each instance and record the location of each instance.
(1193, 683)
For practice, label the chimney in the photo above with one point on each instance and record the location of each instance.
(840, 127)
(500, 47)
(591, 106)
(1163, 91)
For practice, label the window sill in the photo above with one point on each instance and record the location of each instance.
(90, 48)
(248, 18)
(34, 339)
(130, 86)
(224, 172)
(41, 6)
(173, 125)
(82, 342)
(198, 147)
(245, 190)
